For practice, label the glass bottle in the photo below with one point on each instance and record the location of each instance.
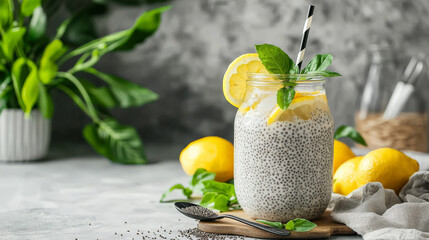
(404, 131)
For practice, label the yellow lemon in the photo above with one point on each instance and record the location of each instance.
(214, 154)
(342, 153)
(234, 80)
(344, 177)
(386, 165)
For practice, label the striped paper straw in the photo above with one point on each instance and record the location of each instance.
(305, 33)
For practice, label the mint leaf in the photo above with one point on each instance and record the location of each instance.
(218, 187)
(330, 74)
(216, 201)
(285, 96)
(299, 225)
(186, 191)
(219, 195)
(269, 223)
(326, 73)
(290, 225)
(349, 132)
(199, 176)
(196, 184)
(319, 63)
(275, 60)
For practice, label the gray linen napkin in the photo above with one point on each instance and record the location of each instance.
(378, 213)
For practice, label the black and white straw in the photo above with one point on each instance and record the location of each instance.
(305, 33)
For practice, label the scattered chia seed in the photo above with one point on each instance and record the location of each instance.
(200, 211)
(195, 232)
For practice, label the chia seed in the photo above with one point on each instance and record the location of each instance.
(200, 211)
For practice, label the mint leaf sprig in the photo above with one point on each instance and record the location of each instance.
(297, 224)
(276, 61)
(216, 195)
(195, 185)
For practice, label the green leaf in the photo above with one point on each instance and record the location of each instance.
(300, 225)
(199, 177)
(80, 30)
(37, 27)
(126, 94)
(102, 96)
(285, 96)
(218, 187)
(186, 191)
(289, 225)
(48, 67)
(10, 40)
(5, 92)
(6, 13)
(216, 201)
(330, 74)
(319, 63)
(19, 73)
(28, 6)
(269, 223)
(30, 89)
(62, 29)
(275, 60)
(349, 132)
(120, 144)
(5, 85)
(143, 28)
(46, 105)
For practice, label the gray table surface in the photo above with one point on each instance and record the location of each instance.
(89, 198)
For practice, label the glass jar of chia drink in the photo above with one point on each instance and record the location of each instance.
(283, 158)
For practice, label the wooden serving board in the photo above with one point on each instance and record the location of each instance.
(326, 227)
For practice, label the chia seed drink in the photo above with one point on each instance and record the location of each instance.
(283, 158)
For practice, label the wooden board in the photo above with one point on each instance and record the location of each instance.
(326, 227)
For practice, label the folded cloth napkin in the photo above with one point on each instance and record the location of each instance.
(378, 213)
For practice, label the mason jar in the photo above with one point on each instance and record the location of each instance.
(283, 158)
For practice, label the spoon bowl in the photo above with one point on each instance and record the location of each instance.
(182, 208)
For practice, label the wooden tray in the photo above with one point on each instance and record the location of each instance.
(326, 227)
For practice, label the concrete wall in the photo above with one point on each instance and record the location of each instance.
(186, 59)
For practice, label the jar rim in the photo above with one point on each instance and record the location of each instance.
(279, 78)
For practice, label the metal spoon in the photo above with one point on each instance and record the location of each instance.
(180, 206)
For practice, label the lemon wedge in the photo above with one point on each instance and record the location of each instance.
(234, 80)
(301, 106)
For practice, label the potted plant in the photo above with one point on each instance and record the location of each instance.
(32, 66)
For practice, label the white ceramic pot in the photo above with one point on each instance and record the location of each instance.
(21, 138)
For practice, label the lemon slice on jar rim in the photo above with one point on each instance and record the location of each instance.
(234, 80)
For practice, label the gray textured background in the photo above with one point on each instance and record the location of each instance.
(185, 60)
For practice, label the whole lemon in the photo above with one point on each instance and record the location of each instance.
(344, 177)
(386, 165)
(214, 154)
(342, 153)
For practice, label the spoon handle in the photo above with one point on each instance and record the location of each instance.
(278, 231)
